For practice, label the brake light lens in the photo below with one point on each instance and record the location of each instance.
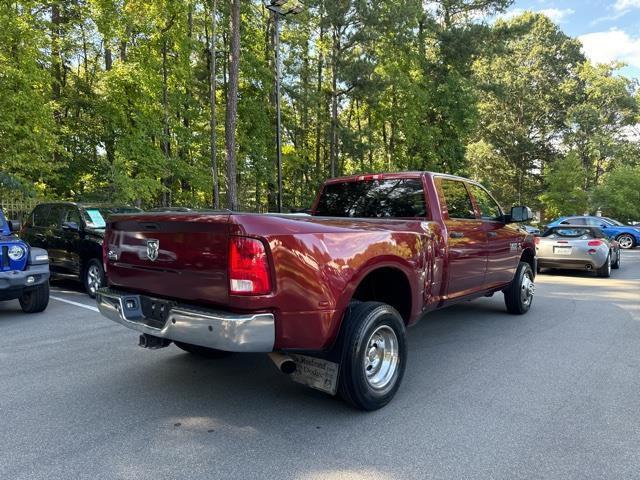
(537, 240)
(248, 267)
(595, 243)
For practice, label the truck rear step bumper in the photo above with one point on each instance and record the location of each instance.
(189, 324)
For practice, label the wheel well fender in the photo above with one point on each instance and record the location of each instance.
(387, 283)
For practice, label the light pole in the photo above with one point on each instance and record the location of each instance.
(280, 8)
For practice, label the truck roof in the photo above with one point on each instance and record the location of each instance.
(390, 175)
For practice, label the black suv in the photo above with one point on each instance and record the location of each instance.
(72, 233)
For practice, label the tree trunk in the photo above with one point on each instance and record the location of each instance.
(213, 123)
(232, 106)
(166, 196)
(333, 145)
(319, 170)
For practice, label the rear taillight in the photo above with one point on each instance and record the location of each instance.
(248, 267)
(537, 240)
(595, 243)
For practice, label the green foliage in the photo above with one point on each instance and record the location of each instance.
(619, 194)
(27, 136)
(109, 100)
(565, 193)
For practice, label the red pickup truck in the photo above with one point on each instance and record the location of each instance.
(327, 295)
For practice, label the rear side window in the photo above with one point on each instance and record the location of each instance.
(397, 198)
(41, 216)
(489, 208)
(457, 199)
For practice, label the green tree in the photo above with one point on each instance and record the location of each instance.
(598, 120)
(619, 194)
(564, 192)
(527, 85)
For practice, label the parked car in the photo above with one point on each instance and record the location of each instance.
(24, 271)
(329, 296)
(532, 230)
(578, 247)
(72, 233)
(627, 236)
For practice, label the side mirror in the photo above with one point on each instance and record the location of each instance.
(72, 226)
(14, 226)
(521, 215)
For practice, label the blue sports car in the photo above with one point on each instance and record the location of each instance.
(628, 237)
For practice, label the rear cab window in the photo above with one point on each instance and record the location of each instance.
(385, 198)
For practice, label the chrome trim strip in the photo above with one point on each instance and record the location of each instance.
(207, 328)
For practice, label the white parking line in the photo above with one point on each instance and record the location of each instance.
(77, 304)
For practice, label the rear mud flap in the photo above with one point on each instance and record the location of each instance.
(316, 373)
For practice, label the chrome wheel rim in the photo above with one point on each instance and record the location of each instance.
(527, 289)
(625, 241)
(93, 278)
(381, 358)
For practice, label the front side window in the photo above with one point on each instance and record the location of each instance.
(489, 208)
(93, 218)
(457, 198)
(72, 215)
(390, 198)
(611, 221)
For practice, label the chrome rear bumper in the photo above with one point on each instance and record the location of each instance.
(189, 324)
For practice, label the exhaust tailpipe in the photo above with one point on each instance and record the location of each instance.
(589, 266)
(284, 362)
(152, 343)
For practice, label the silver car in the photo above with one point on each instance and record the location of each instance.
(578, 247)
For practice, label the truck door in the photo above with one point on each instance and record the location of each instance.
(503, 241)
(466, 240)
(53, 237)
(71, 238)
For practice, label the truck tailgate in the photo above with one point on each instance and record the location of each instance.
(179, 256)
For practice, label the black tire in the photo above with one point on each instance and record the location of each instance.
(605, 270)
(518, 296)
(362, 320)
(616, 265)
(93, 277)
(36, 299)
(627, 240)
(202, 351)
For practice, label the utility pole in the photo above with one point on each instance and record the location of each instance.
(280, 8)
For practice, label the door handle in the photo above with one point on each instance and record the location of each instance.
(456, 234)
(492, 234)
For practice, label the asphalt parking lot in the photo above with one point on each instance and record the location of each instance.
(553, 394)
